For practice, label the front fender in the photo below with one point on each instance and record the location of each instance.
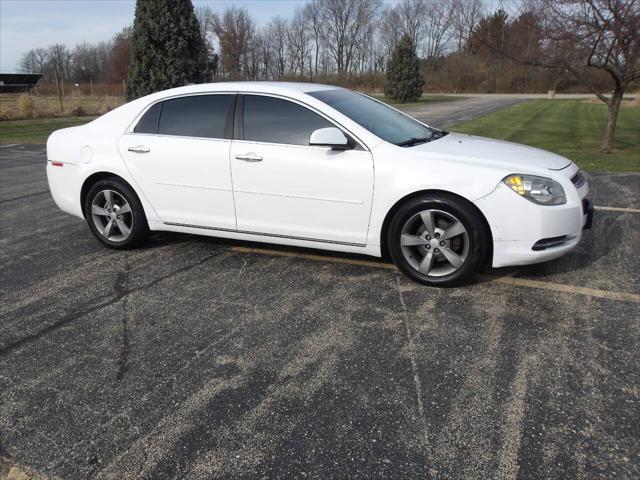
(397, 178)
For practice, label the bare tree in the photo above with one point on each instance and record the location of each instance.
(205, 18)
(364, 56)
(90, 62)
(465, 15)
(581, 36)
(257, 56)
(299, 42)
(391, 30)
(606, 36)
(120, 56)
(437, 30)
(413, 14)
(311, 11)
(34, 61)
(342, 27)
(103, 61)
(428, 25)
(60, 61)
(277, 33)
(234, 30)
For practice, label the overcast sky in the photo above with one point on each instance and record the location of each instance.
(27, 24)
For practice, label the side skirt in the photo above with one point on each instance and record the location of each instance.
(370, 250)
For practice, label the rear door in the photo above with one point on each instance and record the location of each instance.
(285, 187)
(179, 155)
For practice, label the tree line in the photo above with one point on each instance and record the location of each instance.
(106, 61)
(340, 41)
(322, 39)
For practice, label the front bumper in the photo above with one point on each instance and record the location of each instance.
(525, 233)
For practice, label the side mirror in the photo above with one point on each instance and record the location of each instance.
(329, 137)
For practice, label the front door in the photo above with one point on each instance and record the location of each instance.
(284, 187)
(179, 156)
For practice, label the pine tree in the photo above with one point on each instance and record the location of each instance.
(167, 48)
(404, 79)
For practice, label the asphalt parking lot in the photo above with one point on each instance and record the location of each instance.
(202, 358)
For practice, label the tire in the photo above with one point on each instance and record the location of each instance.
(438, 240)
(112, 204)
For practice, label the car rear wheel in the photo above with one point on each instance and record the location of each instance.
(115, 215)
(438, 240)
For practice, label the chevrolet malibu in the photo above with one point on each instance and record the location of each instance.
(320, 167)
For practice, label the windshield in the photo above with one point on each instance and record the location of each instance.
(378, 118)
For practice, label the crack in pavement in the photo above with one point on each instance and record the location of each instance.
(513, 427)
(121, 287)
(23, 197)
(412, 358)
(113, 299)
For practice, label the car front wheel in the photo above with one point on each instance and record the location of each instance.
(438, 240)
(115, 215)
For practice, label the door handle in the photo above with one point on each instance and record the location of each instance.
(249, 157)
(139, 149)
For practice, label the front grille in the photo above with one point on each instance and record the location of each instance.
(578, 179)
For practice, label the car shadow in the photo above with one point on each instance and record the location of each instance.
(591, 248)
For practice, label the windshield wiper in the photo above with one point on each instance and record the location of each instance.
(438, 134)
(413, 141)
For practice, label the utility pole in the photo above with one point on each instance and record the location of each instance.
(55, 71)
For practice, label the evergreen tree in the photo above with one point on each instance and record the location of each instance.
(404, 79)
(167, 48)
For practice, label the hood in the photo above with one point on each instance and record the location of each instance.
(509, 155)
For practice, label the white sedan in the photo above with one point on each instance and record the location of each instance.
(320, 167)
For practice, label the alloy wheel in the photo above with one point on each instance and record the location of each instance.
(112, 215)
(435, 243)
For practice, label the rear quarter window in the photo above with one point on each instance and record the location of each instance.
(149, 121)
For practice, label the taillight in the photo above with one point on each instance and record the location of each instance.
(57, 164)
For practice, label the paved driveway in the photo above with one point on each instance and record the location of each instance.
(445, 114)
(201, 358)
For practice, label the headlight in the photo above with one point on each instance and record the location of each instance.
(540, 190)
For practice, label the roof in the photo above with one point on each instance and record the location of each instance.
(263, 87)
(18, 82)
(123, 115)
(291, 86)
(20, 78)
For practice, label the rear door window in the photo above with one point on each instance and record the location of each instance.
(195, 116)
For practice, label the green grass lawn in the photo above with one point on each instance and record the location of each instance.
(35, 131)
(425, 99)
(572, 128)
